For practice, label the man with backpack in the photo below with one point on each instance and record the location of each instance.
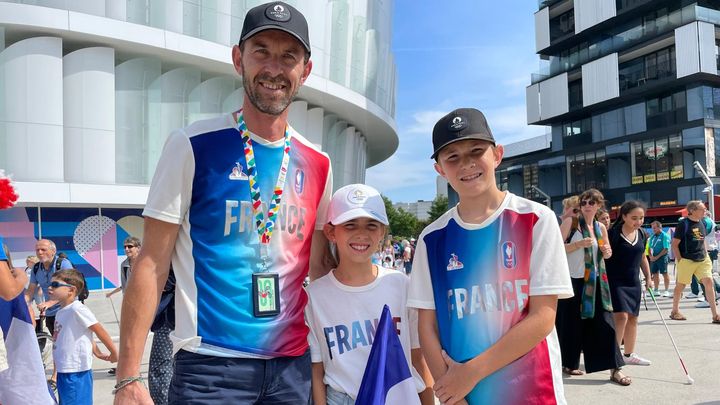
(688, 245)
(41, 276)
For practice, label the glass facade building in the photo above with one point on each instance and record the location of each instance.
(629, 91)
(90, 90)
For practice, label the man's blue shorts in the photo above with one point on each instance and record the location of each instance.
(75, 388)
(659, 266)
(200, 379)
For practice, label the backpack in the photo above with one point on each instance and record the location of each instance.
(83, 294)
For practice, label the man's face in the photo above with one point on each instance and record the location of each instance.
(272, 65)
(656, 229)
(44, 251)
(698, 213)
(469, 166)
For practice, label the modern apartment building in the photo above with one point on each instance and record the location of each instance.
(89, 91)
(631, 94)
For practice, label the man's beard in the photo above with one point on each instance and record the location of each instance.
(269, 105)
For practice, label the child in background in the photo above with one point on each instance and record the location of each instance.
(345, 305)
(73, 336)
(486, 279)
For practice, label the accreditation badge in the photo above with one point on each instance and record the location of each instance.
(266, 294)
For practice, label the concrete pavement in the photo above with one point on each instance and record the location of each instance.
(663, 382)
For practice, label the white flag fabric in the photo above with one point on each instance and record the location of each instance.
(23, 382)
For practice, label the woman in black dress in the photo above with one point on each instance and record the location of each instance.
(627, 241)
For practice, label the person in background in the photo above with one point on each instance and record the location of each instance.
(585, 321)
(627, 241)
(603, 217)
(40, 277)
(658, 248)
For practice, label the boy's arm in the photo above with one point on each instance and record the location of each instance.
(418, 362)
(461, 378)
(105, 338)
(319, 393)
(430, 342)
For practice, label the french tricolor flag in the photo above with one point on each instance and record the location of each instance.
(387, 378)
(23, 382)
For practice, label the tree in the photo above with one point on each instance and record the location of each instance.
(402, 223)
(438, 208)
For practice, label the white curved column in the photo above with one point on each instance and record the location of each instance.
(168, 108)
(297, 116)
(132, 118)
(234, 101)
(89, 115)
(207, 99)
(31, 113)
(338, 20)
(314, 130)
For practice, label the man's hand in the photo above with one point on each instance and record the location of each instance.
(133, 394)
(452, 387)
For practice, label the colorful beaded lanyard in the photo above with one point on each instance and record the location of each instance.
(264, 227)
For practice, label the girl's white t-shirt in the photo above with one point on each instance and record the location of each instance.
(343, 320)
(72, 350)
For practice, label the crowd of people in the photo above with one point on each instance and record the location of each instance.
(227, 246)
(609, 257)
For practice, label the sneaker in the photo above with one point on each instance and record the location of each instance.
(636, 360)
(700, 298)
(691, 295)
(667, 294)
(703, 304)
(111, 371)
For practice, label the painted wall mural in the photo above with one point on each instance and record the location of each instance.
(91, 237)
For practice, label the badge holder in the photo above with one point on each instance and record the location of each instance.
(266, 294)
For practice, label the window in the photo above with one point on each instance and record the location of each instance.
(655, 66)
(562, 25)
(575, 96)
(656, 159)
(530, 179)
(587, 170)
(501, 178)
(666, 110)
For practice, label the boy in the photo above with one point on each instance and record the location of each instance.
(494, 266)
(73, 349)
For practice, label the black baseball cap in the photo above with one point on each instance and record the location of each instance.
(461, 124)
(276, 16)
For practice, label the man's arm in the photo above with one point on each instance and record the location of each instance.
(10, 286)
(675, 246)
(141, 299)
(321, 260)
(461, 378)
(116, 289)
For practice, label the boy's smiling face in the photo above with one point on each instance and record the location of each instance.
(469, 166)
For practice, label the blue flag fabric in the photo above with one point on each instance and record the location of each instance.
(387, 378)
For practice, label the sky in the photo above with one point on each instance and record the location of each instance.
(453, 54)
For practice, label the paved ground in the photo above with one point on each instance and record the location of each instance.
(663, 382)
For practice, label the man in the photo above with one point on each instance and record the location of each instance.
(658, 247)
(240, 240)
(131, 245)
(688, 246)
(41, 275)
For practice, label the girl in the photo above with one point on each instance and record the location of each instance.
(585, 322)
(627, 241)
(344, 305)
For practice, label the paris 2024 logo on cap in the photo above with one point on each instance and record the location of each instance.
(357, 196)
(458, 123)
(277, 12)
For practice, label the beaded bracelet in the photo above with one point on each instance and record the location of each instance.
(127, 381)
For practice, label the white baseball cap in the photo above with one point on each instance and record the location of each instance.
(356, 201)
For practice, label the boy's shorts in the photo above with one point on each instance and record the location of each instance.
(659, 266)
(75, 388)
(686, 268)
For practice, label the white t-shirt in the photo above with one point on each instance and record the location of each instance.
(343, 320)
(3, 352)
(72, 350)
(480, 278)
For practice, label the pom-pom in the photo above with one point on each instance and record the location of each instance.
(8, 196)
